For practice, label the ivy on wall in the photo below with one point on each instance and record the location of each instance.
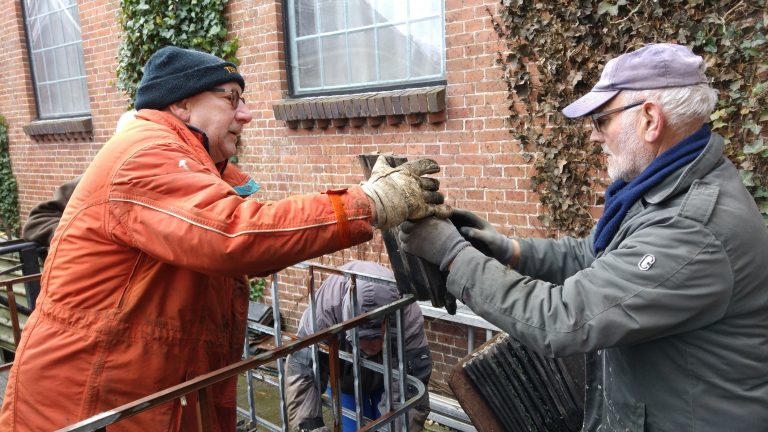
(149, 25)
(556, 51)
(9, 201)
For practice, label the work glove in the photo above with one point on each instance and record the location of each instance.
(483, 236)
(435, 240)
(402, 192)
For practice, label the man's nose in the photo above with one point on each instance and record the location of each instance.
(243, 113)
(596, 136)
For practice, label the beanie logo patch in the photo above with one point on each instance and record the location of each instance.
(231, 69)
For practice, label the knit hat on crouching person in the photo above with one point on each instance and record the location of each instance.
(173, 73)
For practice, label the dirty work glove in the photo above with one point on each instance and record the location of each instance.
(435, 240)
(483, 235)
(402, 193)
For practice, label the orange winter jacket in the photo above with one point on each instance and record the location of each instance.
(138, 291)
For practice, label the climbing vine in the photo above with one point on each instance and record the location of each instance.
(149, 25)
(555, 51)
(9, 198)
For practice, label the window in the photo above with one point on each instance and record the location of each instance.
(341, 45)
(56, 51)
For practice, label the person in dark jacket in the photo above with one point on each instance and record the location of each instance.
(668, 296)
(333, 305)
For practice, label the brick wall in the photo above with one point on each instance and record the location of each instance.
(482, 167)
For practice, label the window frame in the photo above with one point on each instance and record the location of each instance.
(34, 73)
(291, 58)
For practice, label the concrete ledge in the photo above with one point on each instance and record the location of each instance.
(73, 128)
(412, 106)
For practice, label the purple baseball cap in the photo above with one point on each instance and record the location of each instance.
(653, 66)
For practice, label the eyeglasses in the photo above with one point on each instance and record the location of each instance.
(234, 96)
(598, 119)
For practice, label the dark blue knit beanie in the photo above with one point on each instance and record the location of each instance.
(173, 73)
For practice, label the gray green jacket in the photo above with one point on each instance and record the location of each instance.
(332, 303)
(673, 315)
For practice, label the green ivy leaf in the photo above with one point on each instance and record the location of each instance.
(756, 147)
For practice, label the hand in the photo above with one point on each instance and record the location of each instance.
(435, 240)
(312, 425)
(483, 236)
(402, 193)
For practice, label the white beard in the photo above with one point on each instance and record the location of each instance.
(632, 156)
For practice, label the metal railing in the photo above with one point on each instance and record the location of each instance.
(201, 385)
(9, 301)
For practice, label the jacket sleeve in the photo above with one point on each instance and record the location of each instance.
(44, 217)
(168, 204)
(643, 290)
(554, 260)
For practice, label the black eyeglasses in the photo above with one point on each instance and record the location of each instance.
(598, 118)
(234, 96)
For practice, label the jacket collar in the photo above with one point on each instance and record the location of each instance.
(682, 179)
(194, 137)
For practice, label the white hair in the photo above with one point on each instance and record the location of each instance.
(124, 119)
(684, 107)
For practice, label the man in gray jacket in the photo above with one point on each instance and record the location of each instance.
(333, 305)
(668, 296)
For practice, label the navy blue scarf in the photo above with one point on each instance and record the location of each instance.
(621, 195)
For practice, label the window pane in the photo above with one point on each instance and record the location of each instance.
(44, 27)
(426, 48)
(360, 13)
(392, 56)
(62, 65)
(35, 35)
(43, 99)
(422, 8)
(70, 27)
(331, 15)
(362, 52)
(334, 60)
(55, 95)
(54, 27)
(304, 11)
(391, 11)
(309, 63)
(39, 64)
(67, 96)
(50, 66)
(83, 104)
(73, 66)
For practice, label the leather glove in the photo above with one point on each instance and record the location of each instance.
(402, 192)
(435, 240)
(483, 236)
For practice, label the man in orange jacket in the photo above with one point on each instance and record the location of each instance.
(137, 293)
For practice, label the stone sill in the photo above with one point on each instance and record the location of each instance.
(411, 106)
(68, 129)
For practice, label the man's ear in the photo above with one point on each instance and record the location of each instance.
(653, 121)
(181, 109)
